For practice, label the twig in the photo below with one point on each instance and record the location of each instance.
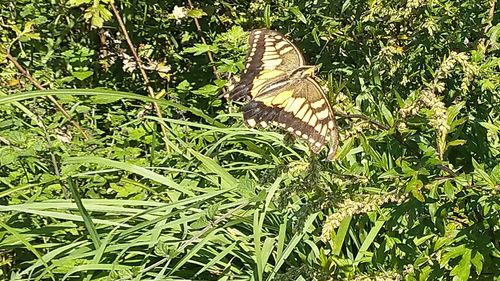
(489, 24)
(361, 116)
(138, 61)
(198, 235)
(212, 225)
(54, 161)
(202, 38)
(51, 98)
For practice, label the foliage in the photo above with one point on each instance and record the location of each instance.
(412, 194)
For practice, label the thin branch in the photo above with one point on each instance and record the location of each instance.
(54, 161)
(147, 83)
(198, 235)
(364, 117)
(50, 98)
(202, 38)
(212, 225)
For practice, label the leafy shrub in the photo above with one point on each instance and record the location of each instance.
(169, 184)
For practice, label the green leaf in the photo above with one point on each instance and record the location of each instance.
(297, 237)
(87, 220)
(82, 75)
(487, 85)
(387, 115)
(451, 254)
(267, 15)
(130, 168)
(490, 127)
(104, 99)
(369, 240)
(345, 6)
(477, 260)
(21, 237)
(200, 48)
(75, 3)
(196, 13)
(316, 38)
(479, 171)
(456, 143)
(462, 270)
(207, 90)
(296, 11)
(418, 195)
(341, 235)
(421, 240)
(228, 181)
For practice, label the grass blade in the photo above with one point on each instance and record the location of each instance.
(85, 215)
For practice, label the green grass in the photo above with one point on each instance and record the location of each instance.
(411, 195)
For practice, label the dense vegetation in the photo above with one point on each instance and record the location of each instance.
(113, 171)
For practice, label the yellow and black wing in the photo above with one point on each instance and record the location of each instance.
(301, 108)
(270, 57)
(282, 92)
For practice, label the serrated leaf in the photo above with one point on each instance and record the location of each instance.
(487, 85)
(452, 253)
(207, 90)
(82, 75)
(235, 33)
(200, 48)
(196, 13)
(418, 195)
(462, 270)
(213, 210)
(477, 260)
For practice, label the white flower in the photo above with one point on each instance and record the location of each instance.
(179, 13)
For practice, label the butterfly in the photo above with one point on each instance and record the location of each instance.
(281, 91)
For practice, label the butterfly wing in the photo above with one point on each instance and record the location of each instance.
(270, 57)
(301, 107)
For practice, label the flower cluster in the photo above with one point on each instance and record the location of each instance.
(296, 168)
(356, 130)
(389, 53)
(178, 13)
(257, 5)
(363, 205)
(412, 4)
(430, 100)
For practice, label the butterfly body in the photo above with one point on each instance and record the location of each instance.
(281, 91)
